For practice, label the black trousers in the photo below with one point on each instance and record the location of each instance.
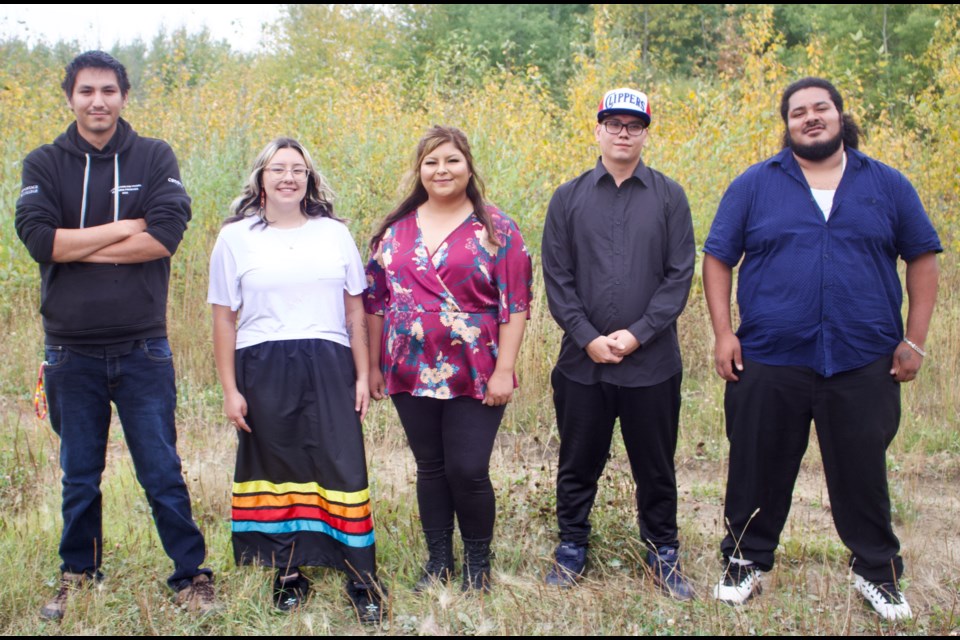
(452, 441)
(857, 414)
(649, 422)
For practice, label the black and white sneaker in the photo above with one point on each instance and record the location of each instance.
(739, 583)
(885, 598)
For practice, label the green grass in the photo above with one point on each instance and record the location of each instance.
(808, 592)
(525, 146)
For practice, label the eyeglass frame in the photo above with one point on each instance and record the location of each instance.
(636, 123)
(280, 172)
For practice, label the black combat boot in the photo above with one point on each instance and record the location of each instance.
(476, 566)
(439, 565)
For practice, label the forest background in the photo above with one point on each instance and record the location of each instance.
(359, 85)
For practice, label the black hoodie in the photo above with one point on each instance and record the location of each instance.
(70, 184)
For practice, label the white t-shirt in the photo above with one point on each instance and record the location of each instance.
(824, 199)
(287, 284)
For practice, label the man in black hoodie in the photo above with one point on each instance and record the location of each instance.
(102, 210)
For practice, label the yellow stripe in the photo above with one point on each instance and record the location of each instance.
(262, 486)
(286, 500)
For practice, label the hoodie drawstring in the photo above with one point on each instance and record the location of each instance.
(116, 187)
(83, 201)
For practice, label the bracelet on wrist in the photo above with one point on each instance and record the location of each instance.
(913, 345)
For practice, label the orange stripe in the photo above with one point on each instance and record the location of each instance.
(354, 527)
(290, 499)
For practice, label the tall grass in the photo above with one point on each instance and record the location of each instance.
(361, 130)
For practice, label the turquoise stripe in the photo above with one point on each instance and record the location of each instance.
(294, 526)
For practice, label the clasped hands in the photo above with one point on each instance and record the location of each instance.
(612, 349)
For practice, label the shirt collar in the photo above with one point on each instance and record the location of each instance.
(788, 161)
(641, 172)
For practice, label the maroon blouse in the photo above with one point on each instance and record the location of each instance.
(442, 312)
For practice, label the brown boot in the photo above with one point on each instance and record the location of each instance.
(199, 596)
(56, 608)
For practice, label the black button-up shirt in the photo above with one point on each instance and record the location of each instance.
(619, 258)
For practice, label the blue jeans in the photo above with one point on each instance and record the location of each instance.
(138, 378)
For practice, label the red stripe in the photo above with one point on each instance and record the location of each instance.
(304, 513)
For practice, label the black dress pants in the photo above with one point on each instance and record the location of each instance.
(649, 422)
(857, 414)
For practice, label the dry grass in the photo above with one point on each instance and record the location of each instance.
(807, 593)
(361, 127)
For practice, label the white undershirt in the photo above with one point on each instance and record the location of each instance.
(824, 197)
(288, 284)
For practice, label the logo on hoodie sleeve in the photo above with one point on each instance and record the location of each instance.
(29, 190)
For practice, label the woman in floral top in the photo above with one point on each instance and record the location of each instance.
(447, 300)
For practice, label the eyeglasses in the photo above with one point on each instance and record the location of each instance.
(614, 127)
(279, 172)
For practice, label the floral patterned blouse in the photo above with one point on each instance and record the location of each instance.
(442, 312)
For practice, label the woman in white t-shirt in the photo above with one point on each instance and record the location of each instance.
(290, 345)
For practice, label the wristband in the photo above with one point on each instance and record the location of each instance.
(914, 346)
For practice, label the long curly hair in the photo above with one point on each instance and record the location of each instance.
(317, 203)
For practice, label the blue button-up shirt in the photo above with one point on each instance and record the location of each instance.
(823, 294)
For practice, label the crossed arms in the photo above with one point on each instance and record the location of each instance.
(120, 242)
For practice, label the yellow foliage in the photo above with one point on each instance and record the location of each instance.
(362, 126)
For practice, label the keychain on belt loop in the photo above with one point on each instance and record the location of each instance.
(40, 395)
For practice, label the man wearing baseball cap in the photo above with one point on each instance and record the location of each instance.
(618, 258)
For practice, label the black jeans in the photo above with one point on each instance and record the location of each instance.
(452, 441)
(649, 422)
(857, 414)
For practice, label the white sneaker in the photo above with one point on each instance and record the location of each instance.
(740, 582)
(885, 598)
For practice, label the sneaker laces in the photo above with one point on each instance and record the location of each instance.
(736, 573)
(886, 591)
(667, 558)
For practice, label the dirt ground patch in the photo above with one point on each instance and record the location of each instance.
(923, 489)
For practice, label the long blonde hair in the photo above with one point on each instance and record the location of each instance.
(318, 202)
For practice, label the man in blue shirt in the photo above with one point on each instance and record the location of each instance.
(819, 227)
